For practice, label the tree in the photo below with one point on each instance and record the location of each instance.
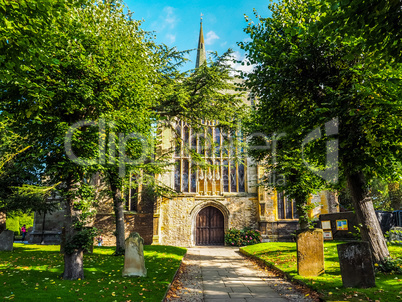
(100, 61)
(284, 79)
(378, 22)
(181, 96)
(308, 80)
(395, 196)
(21, 187)
(99, 68)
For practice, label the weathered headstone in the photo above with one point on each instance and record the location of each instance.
(357, 268)
(6, 240)
(134, 262)
(310, 253)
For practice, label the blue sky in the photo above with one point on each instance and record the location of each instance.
(177, 23)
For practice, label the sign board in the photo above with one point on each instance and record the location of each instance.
(326, 224)
(342, 225)
(327, 235)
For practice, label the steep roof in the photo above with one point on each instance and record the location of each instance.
(201, 53)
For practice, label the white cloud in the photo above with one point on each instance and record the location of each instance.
(170, 19)
(170, 38)
(242, 66)
(167, 19)
(211, 37)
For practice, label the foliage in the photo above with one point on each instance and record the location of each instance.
(308, 79)
(393, 233)
(285, 84)
(82, 240)
(98, 64)
(376, 21)
(10, 142)
(390, 265)
(246, 236)
(187, 95)
(15, 221)
(283, 256)
(386, 196)
(32, 273)
(21, 187)
(89, 64)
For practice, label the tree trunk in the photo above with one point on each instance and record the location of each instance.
(74, 262)
(42, 241)
(370, 229)
(304, 221)
(395, 196)
(118, 202)
(74, 265)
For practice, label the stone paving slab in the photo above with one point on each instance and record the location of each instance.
(226, 300)
(238, 284)
(267, 300)
(214, 289)
(217, 295)
(240, 295)
(225, 275)
(240, 289)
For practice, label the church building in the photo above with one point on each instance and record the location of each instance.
(226, 196)
(209, 201)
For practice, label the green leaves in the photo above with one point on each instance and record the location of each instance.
(310, 71)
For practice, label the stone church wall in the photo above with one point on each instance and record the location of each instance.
(178, 216)
(140, 223)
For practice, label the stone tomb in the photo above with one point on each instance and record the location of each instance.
(134, 262)
(6, 240)
(356, 264)
(310, 253)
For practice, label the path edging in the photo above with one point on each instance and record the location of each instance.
(174, 277)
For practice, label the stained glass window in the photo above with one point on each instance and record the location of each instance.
(224, 171)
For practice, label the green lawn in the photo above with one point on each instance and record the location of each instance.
(32, 273)
(283, 256)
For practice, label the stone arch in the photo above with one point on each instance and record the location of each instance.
(209, 203)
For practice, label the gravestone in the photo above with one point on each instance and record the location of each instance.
(6, 240)
(357, 268)
(310, 253)
(134, 262)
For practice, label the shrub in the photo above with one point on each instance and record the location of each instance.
(392, 237)
(246, 236)
(390, 265)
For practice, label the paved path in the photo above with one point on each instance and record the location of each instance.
(218, 274)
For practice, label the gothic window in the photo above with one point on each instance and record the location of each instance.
(224, 170)
(286, 207)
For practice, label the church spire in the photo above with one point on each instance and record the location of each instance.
(201, 53)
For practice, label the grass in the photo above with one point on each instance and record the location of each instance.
(32, 273)
(282, 255)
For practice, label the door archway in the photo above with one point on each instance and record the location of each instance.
(210, 227)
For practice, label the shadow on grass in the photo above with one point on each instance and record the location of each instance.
(32, 273)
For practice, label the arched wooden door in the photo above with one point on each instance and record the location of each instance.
(210, 227)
